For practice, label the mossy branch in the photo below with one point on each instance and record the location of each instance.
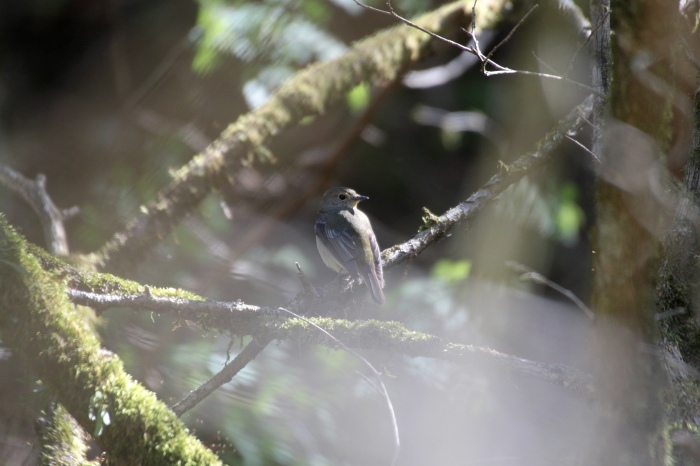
(39, 322)
(240, 319)
(378, 59)
(394, 337)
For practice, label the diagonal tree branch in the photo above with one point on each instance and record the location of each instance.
(225, 375)
(377, 60)
(463, 212)
(38, 322)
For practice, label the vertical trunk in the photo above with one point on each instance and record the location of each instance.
(631, 132)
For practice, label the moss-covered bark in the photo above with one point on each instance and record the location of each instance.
(377, 60)
(42, 326)
(63, 441)
(629, 220)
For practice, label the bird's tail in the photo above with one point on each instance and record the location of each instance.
(369, 276)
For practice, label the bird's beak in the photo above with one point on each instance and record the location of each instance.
(359, 198)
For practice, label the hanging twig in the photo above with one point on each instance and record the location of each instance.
(528, 273)
(380, 387)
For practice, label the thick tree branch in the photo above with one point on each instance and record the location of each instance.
(371, 334)
(376, 60)
(393, 336)
(40, 324)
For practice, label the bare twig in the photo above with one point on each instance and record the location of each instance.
(50, 216)
(544, 63)
(536, 277)
(585, 42)
(380, 387)
(225, 375)
(595, 157)
(485, 59)
(507, 38)
(308, 287)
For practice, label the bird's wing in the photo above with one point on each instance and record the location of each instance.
(376, 254)
(339, 241)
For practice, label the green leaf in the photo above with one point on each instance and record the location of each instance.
(452, 271)
(358, 97)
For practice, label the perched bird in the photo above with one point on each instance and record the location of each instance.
(346, 242)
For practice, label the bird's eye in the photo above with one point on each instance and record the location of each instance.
(342, 197)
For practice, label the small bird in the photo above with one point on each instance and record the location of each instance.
(346, 242)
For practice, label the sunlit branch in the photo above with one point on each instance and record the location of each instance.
(367, 334)
(35, 194)
(465, 211)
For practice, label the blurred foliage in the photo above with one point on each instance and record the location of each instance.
(451, 270)
(553, 211)
(358, 98)
(273, 38)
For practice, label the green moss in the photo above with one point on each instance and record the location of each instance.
(41, 325)
(366, 334)
(84, 278)
(63, 442)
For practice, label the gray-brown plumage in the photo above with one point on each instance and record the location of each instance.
(346, 241)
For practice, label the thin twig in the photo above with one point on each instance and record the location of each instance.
(585, 42)
(536, 277)
(583, 147)
(500, 69)
(381, 388)
(225, 375)
(544, 63)
(510, 34)
(35, 194)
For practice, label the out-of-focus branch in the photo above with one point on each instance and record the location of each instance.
(38, 323)
(375, 60)
(463, 212)
(225, 375)
(50, 216)
(529, 274)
